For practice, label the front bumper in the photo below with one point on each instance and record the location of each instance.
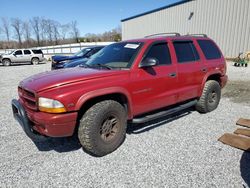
(39, 125)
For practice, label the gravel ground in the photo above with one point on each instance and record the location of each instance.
(181, 151)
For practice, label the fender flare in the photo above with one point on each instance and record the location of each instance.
(106, 91)
(205, 79)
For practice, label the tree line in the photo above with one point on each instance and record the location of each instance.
(39, 31)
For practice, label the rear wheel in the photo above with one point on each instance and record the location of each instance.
(210, 97)
(102, 128)
(6, 62)
(35, 61)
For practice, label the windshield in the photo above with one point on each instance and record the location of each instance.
(82, 52)
(117, 55)
(10, 52)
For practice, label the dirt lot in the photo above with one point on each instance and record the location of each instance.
(178, 151)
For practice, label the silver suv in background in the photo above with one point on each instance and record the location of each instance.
(34, 56)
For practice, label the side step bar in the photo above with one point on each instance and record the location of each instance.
(164, 112)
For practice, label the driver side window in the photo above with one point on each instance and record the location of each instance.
(160, 52)
(18, 52)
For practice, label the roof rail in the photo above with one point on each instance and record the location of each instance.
(162, 34)
(202, 35)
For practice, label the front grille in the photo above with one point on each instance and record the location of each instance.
(28, 98)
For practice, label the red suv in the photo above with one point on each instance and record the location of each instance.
(137, 80)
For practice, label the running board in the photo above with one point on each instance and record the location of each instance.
(163, 113)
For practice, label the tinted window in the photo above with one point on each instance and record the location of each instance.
(185, 51)
(18, 52)
(161, 52)
(209, 49)
(27, 52)
(37, 51)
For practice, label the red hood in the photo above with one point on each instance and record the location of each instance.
(50, 79)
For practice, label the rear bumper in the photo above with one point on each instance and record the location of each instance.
(223, 80)
(39, 124)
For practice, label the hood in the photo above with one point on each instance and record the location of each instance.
(63, 58)
(51, 79)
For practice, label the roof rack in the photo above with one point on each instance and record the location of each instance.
(162, 34)
(202, 35)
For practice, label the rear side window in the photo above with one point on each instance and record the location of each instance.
(37, 51)
(209, 49)
(161, 52)
(185, 51)
(27, 52)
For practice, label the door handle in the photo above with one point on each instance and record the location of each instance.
(204, 69)
(173, 74)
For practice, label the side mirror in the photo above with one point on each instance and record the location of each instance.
(149, 62)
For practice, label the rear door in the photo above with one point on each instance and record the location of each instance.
(27, 55)
(154, 87)
(189, 68)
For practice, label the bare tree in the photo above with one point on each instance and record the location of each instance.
(16, 23)
(35, 23)
(55, 29)
(74, 30)
(6, 28)
(64, 30)
(26, 31)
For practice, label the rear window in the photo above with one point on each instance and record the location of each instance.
(209, 49)
(185, 51)
(37, 51)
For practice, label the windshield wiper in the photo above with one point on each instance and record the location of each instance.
(85, 66)
(103, 66)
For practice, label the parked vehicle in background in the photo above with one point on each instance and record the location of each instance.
(33, 56)
(137, 80)
(59, 62)
(76, 63)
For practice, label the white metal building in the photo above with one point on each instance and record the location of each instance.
(225, 21)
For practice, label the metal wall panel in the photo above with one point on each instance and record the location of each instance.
(225, 21)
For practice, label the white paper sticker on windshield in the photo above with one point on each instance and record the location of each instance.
(133, 46)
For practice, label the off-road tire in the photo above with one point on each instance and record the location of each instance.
(6, 62)
(35, 61)
(210, 97)
(92, 123)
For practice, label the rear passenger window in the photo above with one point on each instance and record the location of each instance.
(27, 52)
(161, 52)
(185, 51)
(209, 49)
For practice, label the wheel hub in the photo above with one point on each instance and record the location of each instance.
(212, 97)
(109, 128)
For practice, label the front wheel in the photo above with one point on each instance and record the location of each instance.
(102, 128)
(6, 62)
(210, 97)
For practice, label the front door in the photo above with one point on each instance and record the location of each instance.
(18, 56)
(154, 87)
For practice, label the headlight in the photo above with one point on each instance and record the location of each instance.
(50, 105)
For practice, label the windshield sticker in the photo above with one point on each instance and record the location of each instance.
(133, 46)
